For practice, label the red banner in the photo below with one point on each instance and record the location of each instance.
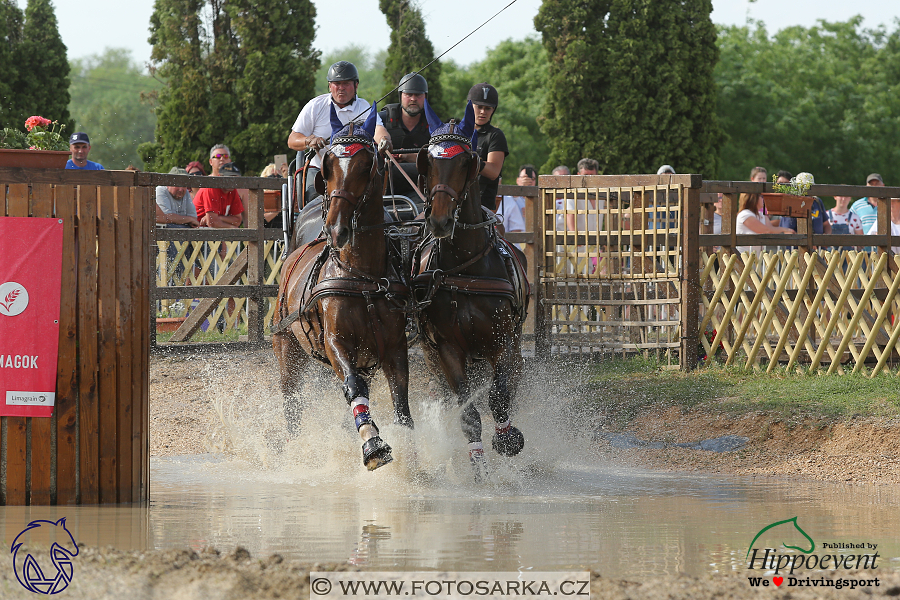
(30, 271)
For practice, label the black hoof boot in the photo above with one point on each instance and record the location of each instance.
(508, 442)
(376, 453)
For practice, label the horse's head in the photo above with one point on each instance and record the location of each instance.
(447, 168)
(350, 178)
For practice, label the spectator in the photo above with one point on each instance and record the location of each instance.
(717, 216)
(312, 128)
(665, 170)
(272, 218)
(175, 204)
(80, 147)
(492, 147)
(750, 221)
(759, 174)
(132, 168)
(511, 208)
(560, 200)
(582, 214)
(784, 177)
(895, 223)
(867, 208)
(220, 208)
(817, 213)
(218, 155)
(844, 220)
(195, 168)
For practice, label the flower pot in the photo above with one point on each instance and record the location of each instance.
(787, 205)
(168, 324)
(33, 159)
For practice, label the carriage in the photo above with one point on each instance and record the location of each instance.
(362, 273)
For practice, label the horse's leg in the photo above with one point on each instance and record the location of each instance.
(453, 363)
(396, 371)
(292, 361)
(376, 452)
(508, 440)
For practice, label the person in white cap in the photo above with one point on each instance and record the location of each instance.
(818, 214)
(80, 147)
(666, 170)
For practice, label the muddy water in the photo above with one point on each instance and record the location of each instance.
(624, 523)
(555, 506)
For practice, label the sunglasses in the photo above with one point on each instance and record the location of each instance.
(195, 173)
(219, 156)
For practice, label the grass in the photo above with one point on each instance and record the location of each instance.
(624, 388)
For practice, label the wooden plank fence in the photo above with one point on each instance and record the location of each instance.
(94, 449)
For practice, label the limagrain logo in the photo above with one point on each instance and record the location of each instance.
(768, 559)
(13, 299)
(29, 572)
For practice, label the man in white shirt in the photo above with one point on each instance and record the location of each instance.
(312, 129)
(510, 208)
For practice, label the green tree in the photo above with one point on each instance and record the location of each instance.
(110, 101)
(241, 81)
(42, 86)
(410, 50)
(10, 36)
(631, 84)
(820, 99)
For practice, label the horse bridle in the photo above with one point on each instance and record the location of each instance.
(466, 144)
(347, 195)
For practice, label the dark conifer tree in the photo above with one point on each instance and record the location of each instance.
(631, 84)
(242, 83)
(10, 36)
(42, 86)
(409, 51)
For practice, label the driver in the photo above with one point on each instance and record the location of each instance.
(312, 129)
(407, 125)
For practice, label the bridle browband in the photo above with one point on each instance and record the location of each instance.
(369, 146)
(466, 144)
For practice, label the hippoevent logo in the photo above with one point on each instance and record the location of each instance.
(45, 579)
(788, 568)
(13, 299)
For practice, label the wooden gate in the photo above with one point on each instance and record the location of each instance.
(94, 449)
(612, 273)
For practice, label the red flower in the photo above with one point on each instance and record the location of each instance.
(36, 121)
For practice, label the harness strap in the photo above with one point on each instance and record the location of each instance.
(282, 325)
(407, 177)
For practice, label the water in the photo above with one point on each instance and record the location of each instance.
(623, 523)
(555, 506)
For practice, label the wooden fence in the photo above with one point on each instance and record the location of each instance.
(95, 447)
(812, 306)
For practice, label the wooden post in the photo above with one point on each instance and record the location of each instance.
(255, 268)
(541, 335)
(690, 279)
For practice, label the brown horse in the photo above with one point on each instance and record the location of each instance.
(341, 298)
(473, 289)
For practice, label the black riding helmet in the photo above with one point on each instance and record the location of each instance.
(343, 71)
(413, 83)
(484, 94)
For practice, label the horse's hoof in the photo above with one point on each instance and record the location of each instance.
(508, 443)
(404, 421)
(376, 453)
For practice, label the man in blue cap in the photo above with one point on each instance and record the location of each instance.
(80, 146)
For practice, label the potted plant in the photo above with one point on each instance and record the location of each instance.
(167, 322)
(40, 146)
(789, 199)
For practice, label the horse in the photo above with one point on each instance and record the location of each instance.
(342, 297)
(470, 286)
